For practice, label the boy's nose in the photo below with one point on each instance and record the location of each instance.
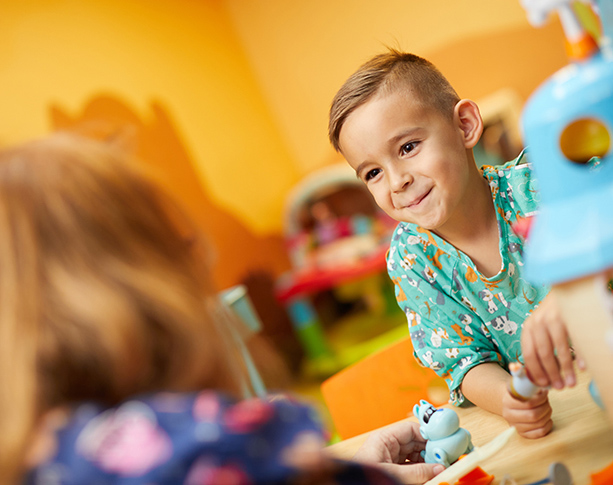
(400, 180)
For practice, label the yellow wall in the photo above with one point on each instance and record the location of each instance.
(182, 52)
(302, 51)
(247, 83)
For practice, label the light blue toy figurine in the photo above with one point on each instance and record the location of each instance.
(520, 386)
(441, 427)
(567, 125)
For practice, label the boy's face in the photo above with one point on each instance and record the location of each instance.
(412, 158)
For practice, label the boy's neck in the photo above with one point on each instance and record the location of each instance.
(474, 229)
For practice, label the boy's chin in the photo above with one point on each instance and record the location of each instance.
(427, 225)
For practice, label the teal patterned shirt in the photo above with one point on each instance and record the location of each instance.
(457, 317)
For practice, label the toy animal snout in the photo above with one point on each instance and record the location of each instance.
(436, 423)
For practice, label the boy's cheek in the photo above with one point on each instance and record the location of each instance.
(384, 202)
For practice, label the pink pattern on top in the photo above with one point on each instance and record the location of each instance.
(207, 473)
(247, 416)
(207, 406)
(126, 441)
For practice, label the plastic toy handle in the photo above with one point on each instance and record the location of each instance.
(582, 48)
(580, 44)
(538, 11)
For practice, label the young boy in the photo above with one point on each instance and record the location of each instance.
(454, 257)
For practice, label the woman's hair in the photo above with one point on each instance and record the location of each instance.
(103, 291)
(390, 70)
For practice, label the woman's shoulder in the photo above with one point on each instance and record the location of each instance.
(177, 412)
(152, 435)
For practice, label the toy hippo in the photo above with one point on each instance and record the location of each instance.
(441, 427)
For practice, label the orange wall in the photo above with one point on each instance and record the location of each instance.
(302, 51)
(182, 52)
(247, 83)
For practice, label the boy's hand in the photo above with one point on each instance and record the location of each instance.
(545, 347)
(531, 418)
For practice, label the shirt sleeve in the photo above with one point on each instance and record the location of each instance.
(518, 186)
(447, 334)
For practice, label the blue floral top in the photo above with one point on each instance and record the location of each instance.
(457, 317)
(192, 439)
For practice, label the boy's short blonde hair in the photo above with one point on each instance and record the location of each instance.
(390, 71)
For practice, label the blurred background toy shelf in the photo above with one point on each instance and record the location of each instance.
(337, 239)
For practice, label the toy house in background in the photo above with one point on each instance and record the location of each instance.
(331, 220)
(337, 238)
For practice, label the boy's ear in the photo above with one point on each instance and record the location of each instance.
(466, 114)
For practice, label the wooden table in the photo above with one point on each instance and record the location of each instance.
(582, 439)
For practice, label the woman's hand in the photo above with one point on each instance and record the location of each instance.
(396, 450)
(531, 418)
(545, 347)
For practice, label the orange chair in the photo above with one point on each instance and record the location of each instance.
(380, 389)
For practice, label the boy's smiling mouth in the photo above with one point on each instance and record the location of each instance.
(415, 202)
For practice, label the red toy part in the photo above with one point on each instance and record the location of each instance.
(522, 225)
(474, 477)
(582, 48)
(604, 476)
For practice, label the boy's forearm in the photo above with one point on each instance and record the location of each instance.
(485, 385)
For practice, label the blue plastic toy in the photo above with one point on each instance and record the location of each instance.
(567, 122)
(595, 393)
(568, 125)
(441, 427)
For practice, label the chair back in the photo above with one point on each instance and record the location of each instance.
(247, 324)
(380, 389)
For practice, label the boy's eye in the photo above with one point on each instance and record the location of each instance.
(372, 174)
(408, 147)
